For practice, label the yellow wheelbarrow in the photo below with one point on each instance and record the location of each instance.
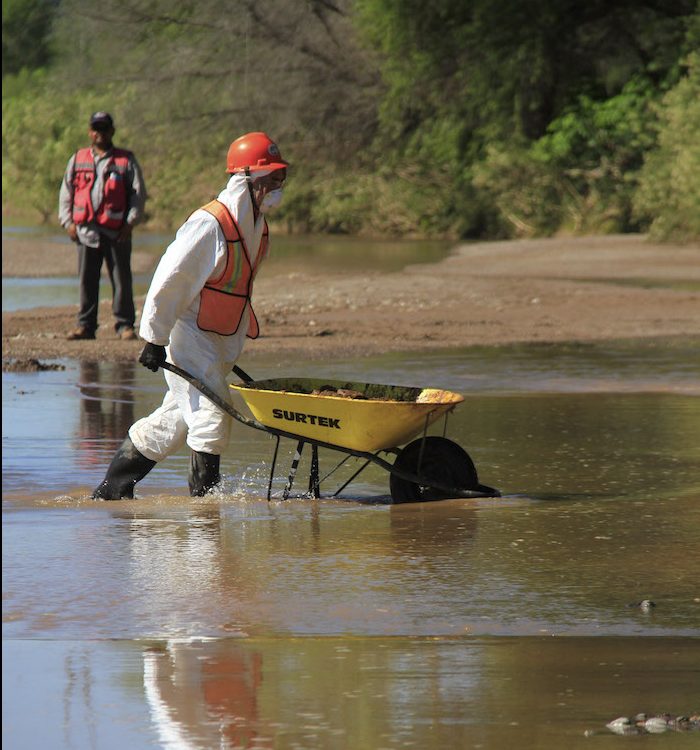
(360, 420)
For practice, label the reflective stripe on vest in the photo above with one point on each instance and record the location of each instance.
(111, 212)
(224, 299)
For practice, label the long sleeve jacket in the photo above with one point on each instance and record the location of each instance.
(197, 254)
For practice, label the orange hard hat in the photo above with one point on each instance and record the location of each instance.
(254, 151)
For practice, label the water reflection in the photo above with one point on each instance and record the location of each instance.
(308, 694)
(106, 409)
(291, 693)
(426, 529)
(205, 694)
(189, 571)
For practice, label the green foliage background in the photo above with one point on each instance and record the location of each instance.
(458, 118)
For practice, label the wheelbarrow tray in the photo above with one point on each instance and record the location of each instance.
(368, 417)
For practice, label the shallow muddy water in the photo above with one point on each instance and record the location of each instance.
(327, 692)
(348, 622)
(290, 254)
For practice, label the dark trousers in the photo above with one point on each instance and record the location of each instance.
(117, 256)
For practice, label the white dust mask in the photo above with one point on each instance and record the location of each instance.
(271, 200)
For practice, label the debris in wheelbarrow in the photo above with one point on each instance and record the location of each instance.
(387, 417)
(330, 390)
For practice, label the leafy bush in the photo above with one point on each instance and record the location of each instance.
(669, 191)
(526, 193)
(582, 174)
(406, 201)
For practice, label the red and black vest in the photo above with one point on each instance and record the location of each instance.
(111, 212)
(225, 298)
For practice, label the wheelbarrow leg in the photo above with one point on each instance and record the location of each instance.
(361, 469)
(314, 483)
(272, 469)
(293, 472)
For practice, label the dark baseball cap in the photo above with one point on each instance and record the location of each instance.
(101, 121)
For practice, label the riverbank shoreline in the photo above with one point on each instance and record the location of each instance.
(554, 290)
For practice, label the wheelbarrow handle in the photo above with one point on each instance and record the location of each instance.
(242, 374)
(212, 396)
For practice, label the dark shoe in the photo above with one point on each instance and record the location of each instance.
(128, 467)
(204, 473)
(80, 333)
(127, 334)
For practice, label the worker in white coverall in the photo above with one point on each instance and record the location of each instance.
(196, 315)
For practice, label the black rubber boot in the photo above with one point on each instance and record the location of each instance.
(204, 473)
(128, 467)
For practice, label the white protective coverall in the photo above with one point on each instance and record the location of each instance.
(169, 319)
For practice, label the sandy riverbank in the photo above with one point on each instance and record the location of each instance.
(570, 289)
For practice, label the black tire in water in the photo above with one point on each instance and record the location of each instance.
(443, 461)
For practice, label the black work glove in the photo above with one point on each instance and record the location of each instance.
(152, 356)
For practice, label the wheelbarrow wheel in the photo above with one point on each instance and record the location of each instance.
(443, 461)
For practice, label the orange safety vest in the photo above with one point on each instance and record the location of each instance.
(223, 299)
(112, 209)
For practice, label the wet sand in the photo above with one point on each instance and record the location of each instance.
(495, 293)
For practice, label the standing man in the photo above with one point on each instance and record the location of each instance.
(102, 198)
(197, 315)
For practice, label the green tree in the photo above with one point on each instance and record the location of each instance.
(455, 117)
(510, 68)
(211, 70)
(26, 27)
(669, 193)
(476, 83)
(185, 78)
